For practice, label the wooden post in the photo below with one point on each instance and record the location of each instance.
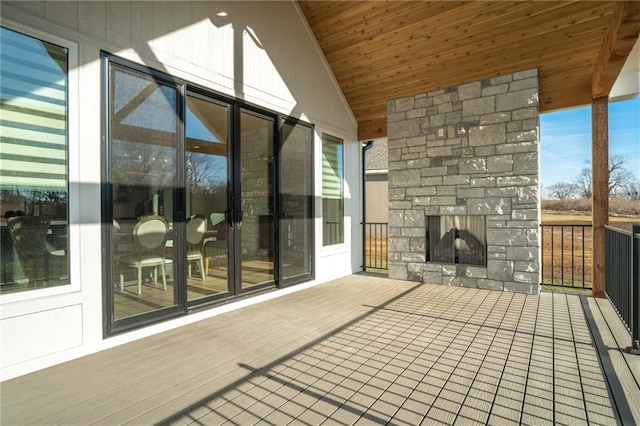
(600, 189)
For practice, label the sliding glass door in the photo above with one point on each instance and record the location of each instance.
(204, 198)
(144, 144)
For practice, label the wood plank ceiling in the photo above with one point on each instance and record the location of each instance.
(385, 50)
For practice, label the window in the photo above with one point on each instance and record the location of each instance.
(33, 163)
(332, 191)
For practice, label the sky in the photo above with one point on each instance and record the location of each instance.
(565, 140)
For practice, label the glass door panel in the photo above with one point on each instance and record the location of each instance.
(206, 166)
(144, 141)
(296, 201)
(255, 218)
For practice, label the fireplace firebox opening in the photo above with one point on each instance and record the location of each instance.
(457, 239)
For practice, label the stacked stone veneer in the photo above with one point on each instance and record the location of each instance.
(468, 150)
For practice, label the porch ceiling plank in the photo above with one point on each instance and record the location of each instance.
(406, 20)
(434, 39)
(550, 52)
(619, 40)
(385, 50)
(438, 76)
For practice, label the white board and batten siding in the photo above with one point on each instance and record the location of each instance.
(261, 52)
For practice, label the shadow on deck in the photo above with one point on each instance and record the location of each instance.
(359, 350)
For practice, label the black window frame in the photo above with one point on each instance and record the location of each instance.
(185, 88)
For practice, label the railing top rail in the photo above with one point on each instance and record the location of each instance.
(567, 224)
(621, 231)
(376, 223)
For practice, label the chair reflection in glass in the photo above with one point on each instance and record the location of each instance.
(196, 227)
(215, 246)
(37, 256)
(149, 236)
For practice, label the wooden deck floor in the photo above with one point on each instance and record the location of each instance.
(360, 350)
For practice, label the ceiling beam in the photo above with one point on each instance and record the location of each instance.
(621, 35)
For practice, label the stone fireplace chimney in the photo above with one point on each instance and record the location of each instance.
(467, 151)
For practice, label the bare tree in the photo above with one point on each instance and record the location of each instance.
(633, 189)
(197, 172)
(562, 190)
(583, 182)
(619, 177)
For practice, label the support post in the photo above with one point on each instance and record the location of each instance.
(600, 190)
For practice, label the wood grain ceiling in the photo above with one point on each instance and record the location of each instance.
(385, 50)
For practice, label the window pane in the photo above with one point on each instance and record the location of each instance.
(143, 118)
(33, 163)
(206, 167)
(256, 180)
(296, 192)
(332, 191)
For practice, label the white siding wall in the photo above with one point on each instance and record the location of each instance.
(262, 52)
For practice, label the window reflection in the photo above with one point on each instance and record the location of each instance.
(332, 191)
(296, 192)
(143, 171)
(206, 168)
(33, 163)
(256, 182)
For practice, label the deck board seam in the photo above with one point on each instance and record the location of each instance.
(533, 340)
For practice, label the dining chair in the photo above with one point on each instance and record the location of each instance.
(196, 227)
(35, 253)
(149, 236)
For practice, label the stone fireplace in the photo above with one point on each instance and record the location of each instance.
(464, 185)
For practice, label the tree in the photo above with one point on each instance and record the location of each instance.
(633, 190)
(620, 177)
(562, 190)
(583, 182)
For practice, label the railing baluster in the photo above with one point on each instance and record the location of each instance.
(635, 286)
(573, 257)
(376, 245)
(553, 256)
(622, 283)
(562, 254)
(572, 275)
(583, 262)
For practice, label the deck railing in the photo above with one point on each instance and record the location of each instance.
(566, 255)
(376, 251)
(622, 276)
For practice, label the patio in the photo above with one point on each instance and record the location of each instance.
(362, 349)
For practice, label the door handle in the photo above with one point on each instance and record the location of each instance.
(229, 217)
(239, 217)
